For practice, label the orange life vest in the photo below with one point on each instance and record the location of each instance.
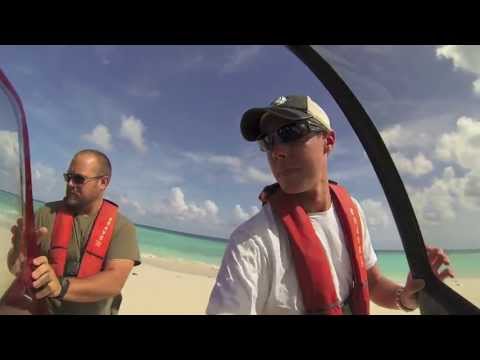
(311, 262)
(98, 242)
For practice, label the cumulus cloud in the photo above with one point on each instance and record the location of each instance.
(253, 174)
(100, 136)
(471, 190)
(375, 212)
(9, 161)
(451, 192)
(135, 205)
(240, 215)
(47, 182)
(447, 195)
(132, 129)
(461, 146)
(9, 156)
(465, 58)
(399, 136)
(417, 166)
(175, 206)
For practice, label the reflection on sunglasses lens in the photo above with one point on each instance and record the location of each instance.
(77, 179)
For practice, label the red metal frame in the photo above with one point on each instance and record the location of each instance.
(15, 295)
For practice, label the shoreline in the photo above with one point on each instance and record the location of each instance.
(181, 266)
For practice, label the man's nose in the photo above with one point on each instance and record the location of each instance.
(279, 151)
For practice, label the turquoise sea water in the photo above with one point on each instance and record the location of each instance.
(171, 244)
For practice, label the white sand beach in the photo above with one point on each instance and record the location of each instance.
(161, 286)
(168, 287)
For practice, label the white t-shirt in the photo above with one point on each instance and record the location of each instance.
(258, 275)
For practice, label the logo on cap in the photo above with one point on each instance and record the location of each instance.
(279, 101)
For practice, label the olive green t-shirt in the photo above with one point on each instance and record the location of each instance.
(122, 246)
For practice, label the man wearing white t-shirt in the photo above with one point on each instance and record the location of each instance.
(308, 250)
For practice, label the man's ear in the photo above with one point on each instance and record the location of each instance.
(105, 181)
(330, 143)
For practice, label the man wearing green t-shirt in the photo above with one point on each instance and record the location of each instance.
(87, 179)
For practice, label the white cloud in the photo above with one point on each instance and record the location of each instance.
(419, 166)
(240, 172)
(9, 156)
(253, 174)
(176, 201)
(436, 203)
(132, 130)
(240, 215)
(472, 190)
(176, 207)
(398, 136)
(450, 193)
(100, 136)
(211, 208)
(476, 86)
(230, 161)
(9, 161)
(461, 146)
(447, 196)
(375, 213)
(47, 182)
(465, 58)
(240, 56)
(125, 201)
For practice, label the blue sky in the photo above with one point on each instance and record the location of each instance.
(168, 117)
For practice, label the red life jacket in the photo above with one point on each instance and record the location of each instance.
(98, 242)
(311, 262)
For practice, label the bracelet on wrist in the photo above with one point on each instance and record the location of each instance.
(398, 300)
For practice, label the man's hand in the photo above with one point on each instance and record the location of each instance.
(17, 234)
(45, 279)
(437, 258)
(16, 257)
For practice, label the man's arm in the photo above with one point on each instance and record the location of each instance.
(105, 284)
(384, 292)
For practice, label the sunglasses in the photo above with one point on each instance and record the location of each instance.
(78, 179)
(289, 134)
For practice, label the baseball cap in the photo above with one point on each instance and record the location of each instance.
(291, 107)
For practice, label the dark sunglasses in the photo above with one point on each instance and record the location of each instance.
(289, 133)
(78, 179)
